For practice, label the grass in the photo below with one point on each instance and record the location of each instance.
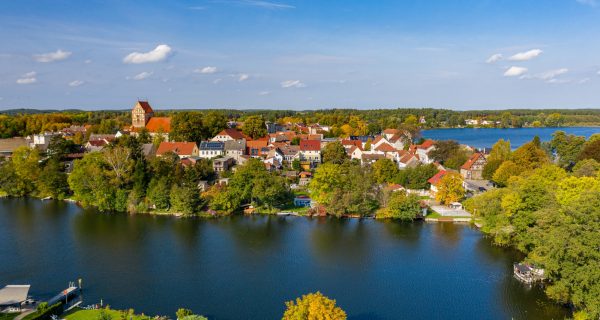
(8, 316)
(82, 314)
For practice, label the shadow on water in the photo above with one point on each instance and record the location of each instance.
(342, 240)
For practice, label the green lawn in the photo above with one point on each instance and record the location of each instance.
(82, 314)
(8, 316)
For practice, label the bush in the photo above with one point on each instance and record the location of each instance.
(45, 313)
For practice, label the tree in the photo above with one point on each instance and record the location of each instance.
(213, 123)
(500, 151)
(401, 206)
(313, 306)
(586, 168)
(120, 161)
(295, 141)
(506, 170)
(159, 192)
(296, 165)
(416, 178)
(368, 144)
(59, 147)
(450, 188)
(182, 312)
(53, 181)
(554, 120)
(530, 156)
(444, 149)
(591, 150)
(334, 152)
(26, 165)
(384, 170)
(187, 126)
(566, 147)
(254, 127)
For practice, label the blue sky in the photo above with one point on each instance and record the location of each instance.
(300, 54)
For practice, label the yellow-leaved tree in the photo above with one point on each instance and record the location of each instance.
(450, 188)
(313, 306)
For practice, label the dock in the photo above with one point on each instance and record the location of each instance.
(64, 295)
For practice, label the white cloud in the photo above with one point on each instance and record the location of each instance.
(591, 3)
(515, 71)
(28, 78)
(52, 56)
(216, 81)
(598, 73)
(584, 80)
(264, 93)
(141, 76)
(292, 84)
(160, 53)
(260, 3)
(88, 61)
(494, 58)
(548, 76)
(525, 56)
(76, 83)
(243, 77)
(206, 70)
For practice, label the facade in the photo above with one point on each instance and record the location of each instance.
(473, 168)
(235, 148)
(223, 164)
(310, 150)
(228, 135)
(141, 114)
(424, 149)
(211, 149)
(435, 180)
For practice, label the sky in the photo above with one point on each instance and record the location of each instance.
(295, 54)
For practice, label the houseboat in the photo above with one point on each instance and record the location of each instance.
(527, 273)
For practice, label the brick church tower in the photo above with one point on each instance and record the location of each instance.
(141, 114)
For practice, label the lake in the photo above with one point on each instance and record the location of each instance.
(486, 137)
(246, 267)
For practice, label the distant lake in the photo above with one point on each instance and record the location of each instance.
(483, 137)
(244, 267)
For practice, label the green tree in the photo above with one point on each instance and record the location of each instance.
(182, 313)
(53, 181)
(500, 151)
(586, 168)
(313, 306)
(385, 170)
(530, 156)
(401, 206)
(25, 162)
(554, 120)
(254, 127)
(159, 192)
(591, 150)
(187, 126)
(296, 165)
(334, 152)
(213, 123)
(506, 170)
(566, 147)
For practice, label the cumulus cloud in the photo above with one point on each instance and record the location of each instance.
(548, 76)
(216, 81)
(515, 71)
(243, 77)
(52, 56)
(141, 76)
(494, 58)
(76, 83)
(525, 56)
(28, 78)
(292, 84)
(206, 70)
(160, 53)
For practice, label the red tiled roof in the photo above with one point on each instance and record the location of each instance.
(98, 143)
(384, 147)
(379, 138)
(146, 106)
(426, 144)
(310, 145)
(408, 157)
(179, 148)
(347, 142)
(437, 177)
(391, 131)
(234, 134)
(257, 144)
(471, 161)
(156, 124)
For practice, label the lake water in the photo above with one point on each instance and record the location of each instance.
(486, 137)
(246, 267)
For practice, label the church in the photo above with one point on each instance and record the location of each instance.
(142, 116)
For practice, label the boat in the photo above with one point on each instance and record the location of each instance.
(284, 213)
(527, 273)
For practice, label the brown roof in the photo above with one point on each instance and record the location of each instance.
(373, 156)
(384, 147)
(157, 124)
(234, 134)
(179, 148)
(347, 142)
(257, 144)
(146, 106)
(471, 161)
(379, 138)
(408, 157)
(98, 143)
(391, 131)
(426, 144)
(9, 145)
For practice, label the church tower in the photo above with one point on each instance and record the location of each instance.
(141, 114)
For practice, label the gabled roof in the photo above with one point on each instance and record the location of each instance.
(235, 145)
(408, 158)
(384, 147)
(289, 150)
(146, 106)
(472, 160)
(233, 133)
(379, 138)
(98, 143)
(179, 148)
(437, 177)
(256, 144)
(426, 144)
(158, 124)
(391, 131)
(347, 143)
(310, 145)
(395, 138)
(372, 156)
(10, 144)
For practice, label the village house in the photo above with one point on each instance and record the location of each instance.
(229, 135)
(423, 150)
(408, 160)
(96, 145)
(310, 150)
(235, 148)
(211, 149)
(182, 149)
(435, 180)
(42, 140)
(257, 148)
(223, 164)
(473, 168)
(290, 153)
(370, 158)
(8, 146)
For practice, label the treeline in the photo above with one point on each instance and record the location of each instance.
(343, 122)
(548, 207)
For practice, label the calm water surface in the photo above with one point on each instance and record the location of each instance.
(246, 267)
(483, 137)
